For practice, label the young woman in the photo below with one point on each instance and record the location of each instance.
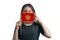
(30, 31)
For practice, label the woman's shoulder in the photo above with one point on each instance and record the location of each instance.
(36, 23)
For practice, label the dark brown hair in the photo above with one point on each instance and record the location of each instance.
(32, 8)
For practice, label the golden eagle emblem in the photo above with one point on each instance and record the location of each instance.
(27, 17)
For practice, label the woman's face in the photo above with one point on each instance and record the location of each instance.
(27, 9)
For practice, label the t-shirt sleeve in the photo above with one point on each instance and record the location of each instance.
(19, 34)
(41, 29)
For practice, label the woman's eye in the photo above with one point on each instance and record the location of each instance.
(29, 11)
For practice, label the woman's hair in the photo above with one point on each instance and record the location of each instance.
(32, 8)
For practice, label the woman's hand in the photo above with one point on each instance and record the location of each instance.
(18, 24)
(37, 19)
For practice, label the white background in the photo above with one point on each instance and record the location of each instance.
(47, 10)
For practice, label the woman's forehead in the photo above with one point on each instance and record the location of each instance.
(27, 8)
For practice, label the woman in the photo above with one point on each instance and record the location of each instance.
(30, 31)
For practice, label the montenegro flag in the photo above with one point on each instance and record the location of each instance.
(27, 17)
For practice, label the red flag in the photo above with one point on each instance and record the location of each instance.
(27, 17)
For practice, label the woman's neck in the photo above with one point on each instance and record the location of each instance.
(28, 24)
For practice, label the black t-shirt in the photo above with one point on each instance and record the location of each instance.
(30, 33)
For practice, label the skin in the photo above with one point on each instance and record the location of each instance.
(19, 23)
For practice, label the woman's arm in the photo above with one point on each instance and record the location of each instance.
(18, 25)
(15, 36)
(46, 31)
